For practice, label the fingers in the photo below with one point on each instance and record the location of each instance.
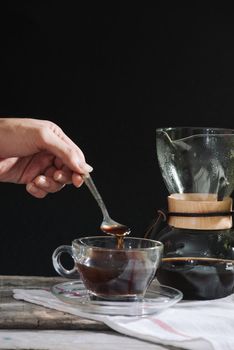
(53, 180)
(47, 184)
(65, 176)
(77, 180)
(42, 185)
(35, 191)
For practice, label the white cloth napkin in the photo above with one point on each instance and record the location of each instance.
(195, 325)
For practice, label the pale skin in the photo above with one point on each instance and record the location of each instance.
(38, 154)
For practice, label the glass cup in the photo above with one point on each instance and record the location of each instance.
(108, 272)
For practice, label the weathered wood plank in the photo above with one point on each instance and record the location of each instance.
(22, 316)
(17, 314)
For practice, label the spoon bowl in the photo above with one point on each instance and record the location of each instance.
(108, 225)
(112, 227)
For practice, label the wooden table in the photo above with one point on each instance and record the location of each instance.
(26, 319)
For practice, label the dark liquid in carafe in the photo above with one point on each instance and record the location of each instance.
(198, 278)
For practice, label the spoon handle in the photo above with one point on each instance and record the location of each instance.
(93, 189)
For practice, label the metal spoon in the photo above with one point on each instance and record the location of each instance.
(108, 225)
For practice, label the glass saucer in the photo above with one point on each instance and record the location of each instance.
(157, 298)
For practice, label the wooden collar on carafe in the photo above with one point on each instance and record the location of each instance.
(199, 203)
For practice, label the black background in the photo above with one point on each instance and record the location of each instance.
(109, 76)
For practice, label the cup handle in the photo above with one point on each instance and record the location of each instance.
(73, 273)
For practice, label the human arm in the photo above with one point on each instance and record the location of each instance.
(40, 155)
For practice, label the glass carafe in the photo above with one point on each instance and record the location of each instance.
(197, 166)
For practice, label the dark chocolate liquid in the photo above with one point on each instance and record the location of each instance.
(124, 279)
(119, 232)
(198, 278)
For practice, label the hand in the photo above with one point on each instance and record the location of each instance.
(39, 154)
